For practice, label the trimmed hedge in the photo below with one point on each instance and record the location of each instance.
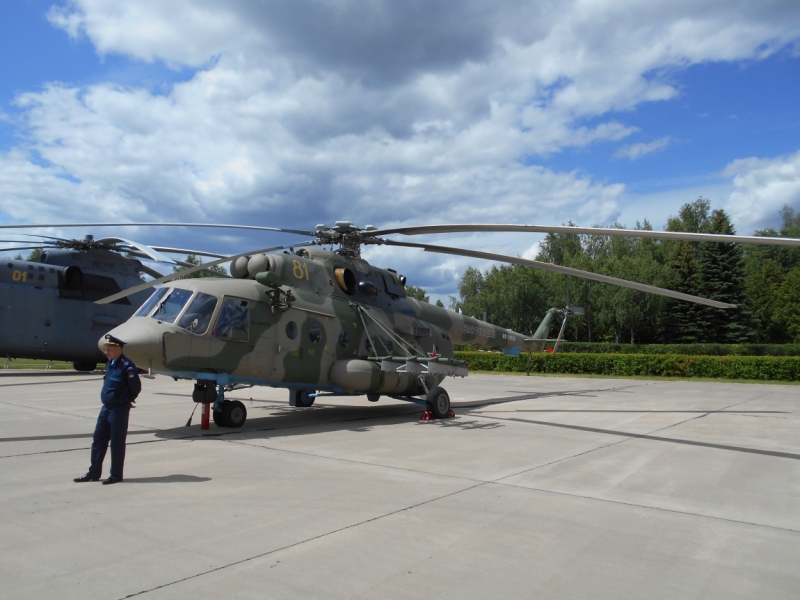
(766, 368)
(685, 349)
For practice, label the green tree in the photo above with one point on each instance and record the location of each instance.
(468, 301)
(684, 321)
(766, 268)
(788, 310)
(511, 296)
(723, 279)
(417, 293)
(763, 284)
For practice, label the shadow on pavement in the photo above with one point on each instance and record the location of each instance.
(169, 479)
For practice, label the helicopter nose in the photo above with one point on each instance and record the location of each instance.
(140, 339)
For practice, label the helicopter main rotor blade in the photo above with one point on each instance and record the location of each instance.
(183, 272)
(39, 247)
(210, 225)
(34, 235)
(147, 250)
(187, 252)
(641, 233)
(651, 289)
(51, 244)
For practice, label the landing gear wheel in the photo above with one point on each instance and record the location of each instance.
(219, 418)
(234, 414)
(438, 402)
(373, 397)
(303, 398)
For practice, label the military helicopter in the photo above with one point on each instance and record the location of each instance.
(47, 308)
(324, 322)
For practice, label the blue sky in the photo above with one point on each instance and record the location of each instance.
(295, 113)
(726, 111)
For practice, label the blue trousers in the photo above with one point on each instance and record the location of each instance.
(112, 426)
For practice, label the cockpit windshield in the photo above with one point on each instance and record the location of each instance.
(170, 307)
(145, 308)
(198, 315)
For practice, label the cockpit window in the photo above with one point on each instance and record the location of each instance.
(170, 307)
(198, 315)
(145, 308)
(233, 321)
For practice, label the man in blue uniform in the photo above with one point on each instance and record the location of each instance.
(121, 386)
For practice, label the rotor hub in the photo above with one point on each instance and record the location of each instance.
(347, 236)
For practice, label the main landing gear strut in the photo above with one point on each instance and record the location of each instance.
(437, 403)
(226, 413)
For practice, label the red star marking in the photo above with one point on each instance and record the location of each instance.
(433, 354)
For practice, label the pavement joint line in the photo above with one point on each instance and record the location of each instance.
(48, 410)
(646, 436)
(66, 436)
(5, 385)
(646, 507)
(538, 395)
(311, 539)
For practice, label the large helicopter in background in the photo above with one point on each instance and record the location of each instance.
(47, 308)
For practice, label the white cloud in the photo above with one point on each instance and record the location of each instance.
(307, 112)
(761, 189)
(634, 151)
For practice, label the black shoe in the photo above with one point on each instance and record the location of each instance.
(111, 480)
(86, 477)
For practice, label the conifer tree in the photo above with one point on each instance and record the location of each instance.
(723, 279)
(684, 322)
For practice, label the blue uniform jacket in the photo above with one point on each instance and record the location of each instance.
(121, 384)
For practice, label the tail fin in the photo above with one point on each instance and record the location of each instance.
(543, 331)
(539, 340)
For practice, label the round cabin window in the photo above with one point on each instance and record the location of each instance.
(291, 330)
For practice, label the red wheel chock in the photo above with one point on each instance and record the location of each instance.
(427, 415)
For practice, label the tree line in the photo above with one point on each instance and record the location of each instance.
(763, 281)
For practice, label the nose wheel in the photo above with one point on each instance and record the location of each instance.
(231, 413)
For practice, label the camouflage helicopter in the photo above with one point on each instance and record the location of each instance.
(324, 322)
